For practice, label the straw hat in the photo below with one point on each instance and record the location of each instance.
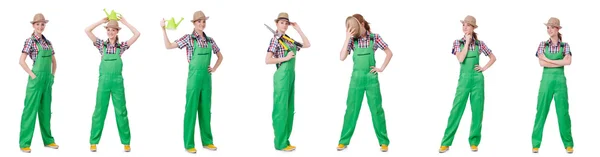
(470, 20)
(352, 23)
(199, 15)
(113, 24)
(553, 22)
(282, 16)
(39, 17)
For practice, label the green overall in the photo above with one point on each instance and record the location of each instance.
(470, 82)
(553, 84)
(198, 97)
(283, 100)
(38, 99)
(110, 83)
(362, 80)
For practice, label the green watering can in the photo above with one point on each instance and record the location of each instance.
(171, 23)
(113, 15)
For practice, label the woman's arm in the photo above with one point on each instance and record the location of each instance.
(90, 28)
(53, 65)
(388, 57)
(491, 62)
(305, 42)
(463, 52)
(270, 60)
(25, 66)
(562, 62)
(543, 63)
(345, 49)
(168, 43)
(136, 33)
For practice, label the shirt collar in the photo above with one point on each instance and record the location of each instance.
(549, 41)
(196, 35)
(38, 38)
(367, 35)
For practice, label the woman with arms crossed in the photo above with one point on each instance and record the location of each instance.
(553, 54)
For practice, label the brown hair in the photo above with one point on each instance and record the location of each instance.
(475, 36)
(362, 20)
(559, 36)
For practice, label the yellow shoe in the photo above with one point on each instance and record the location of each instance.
(127, 148)
(444, 149)
(210, 147)
(93, 148)
(52, 145)
(341, 147)
(26, 150)
(474, 148)
(569, 150)
(292, 146)
(288, 149)
(384, 148)
(191, 150)
(535, 150)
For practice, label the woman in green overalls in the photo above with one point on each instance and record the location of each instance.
(363, 42)
(110, 82)
(281, 52)
(553, 55)
(38, 97)
(199, 82)
(470, 84)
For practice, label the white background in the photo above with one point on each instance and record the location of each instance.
(418, 86)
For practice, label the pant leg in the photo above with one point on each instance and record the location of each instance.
(477, 99)
(191, 109)
(102, 100)
(375, 106)
(458, 108)
(291, 111)
(354, 101)
(281, 96)
(120, 106)
(543, 106)
(45, 112)
(32, 104)
(561, 100)
(204, 112)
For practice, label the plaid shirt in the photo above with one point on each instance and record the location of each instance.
(187, 41)
(482, 47)
(30, 47)
(364, 42)
(553, 48)
(110, 49)
(277, 49)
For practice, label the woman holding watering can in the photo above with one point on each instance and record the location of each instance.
(363, 42)
(553, 55)
(110, 82)
(38, 97)
(199, 84)
(281, 52)
(467, 50)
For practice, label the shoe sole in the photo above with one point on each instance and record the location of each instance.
(51, 147)
(212, 149)
(26, 151)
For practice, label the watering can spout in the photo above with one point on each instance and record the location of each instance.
(105, 12)
(179, 22)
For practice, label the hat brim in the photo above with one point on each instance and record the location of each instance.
(474, 26)
(552, 25)
(118, 28)
(45, 21)
(206, 18)
(282, 18)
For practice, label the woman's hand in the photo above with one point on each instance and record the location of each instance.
(480, 69)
